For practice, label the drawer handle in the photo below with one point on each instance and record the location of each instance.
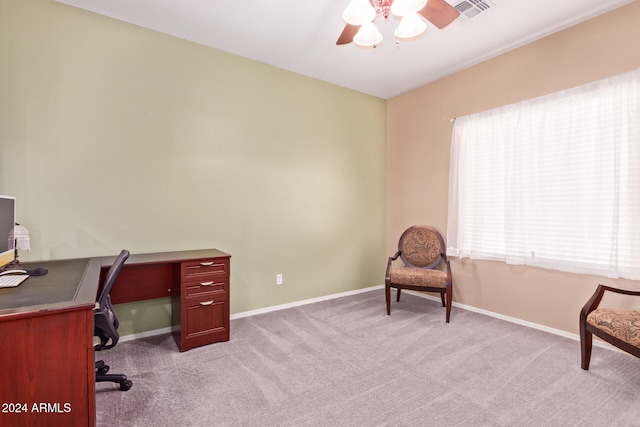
(207, 303)
(206, 283)
(206, 264)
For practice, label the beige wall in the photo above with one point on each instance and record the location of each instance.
(418, 144)
(115, 136)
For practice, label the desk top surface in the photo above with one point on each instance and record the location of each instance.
(164, 257)
(69, 283)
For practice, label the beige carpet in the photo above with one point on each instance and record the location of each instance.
(344, 362)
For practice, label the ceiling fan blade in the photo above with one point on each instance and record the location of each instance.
(347, 34)
(439, 13)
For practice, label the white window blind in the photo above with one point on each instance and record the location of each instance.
(552, 182)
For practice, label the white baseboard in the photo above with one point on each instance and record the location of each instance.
(303, 302)
(502, 317)
(560, 332)
(145, 334)
(515, 320)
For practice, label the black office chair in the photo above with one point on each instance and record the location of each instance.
(105, 324)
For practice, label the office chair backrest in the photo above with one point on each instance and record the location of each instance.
(105, 323)
(111, 277)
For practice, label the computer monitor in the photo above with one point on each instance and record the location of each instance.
(7, 222)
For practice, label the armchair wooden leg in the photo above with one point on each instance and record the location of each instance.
(442, 297)
(449, 297)
(387, 292)
(398, 296)
(586, 344)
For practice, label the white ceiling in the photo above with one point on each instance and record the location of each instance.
(300, 35)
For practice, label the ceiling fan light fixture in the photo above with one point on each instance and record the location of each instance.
(368, 35)
(417, 13)
(411, 25)
(406, 7)
(359, 12)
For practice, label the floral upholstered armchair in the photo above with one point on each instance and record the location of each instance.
(425, 266)
(619, 327)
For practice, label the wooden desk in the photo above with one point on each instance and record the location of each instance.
(46, 346)
(47, 374)
(197, 282)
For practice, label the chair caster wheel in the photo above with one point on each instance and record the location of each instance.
(126, 385)
(103, 370)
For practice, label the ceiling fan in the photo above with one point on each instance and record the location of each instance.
(360, 15)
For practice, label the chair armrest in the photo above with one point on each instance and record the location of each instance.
(104, 329)
(387, 277)
(596, 298)
(446, 262)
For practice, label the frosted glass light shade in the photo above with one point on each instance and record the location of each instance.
(406, 7)
(368, 35)
(411, 25)
(20, 235)
(359, 12)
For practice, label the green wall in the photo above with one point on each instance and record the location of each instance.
(114, 136)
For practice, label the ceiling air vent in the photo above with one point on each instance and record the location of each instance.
(471, 8)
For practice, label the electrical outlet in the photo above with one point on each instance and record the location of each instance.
(278, 279)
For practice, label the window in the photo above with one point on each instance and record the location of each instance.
(552, 182)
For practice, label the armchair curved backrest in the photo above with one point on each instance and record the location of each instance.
(106, 324)
(421, 247)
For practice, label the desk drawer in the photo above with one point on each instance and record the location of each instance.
(205, 268)
(203, 288)
(204, 322)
